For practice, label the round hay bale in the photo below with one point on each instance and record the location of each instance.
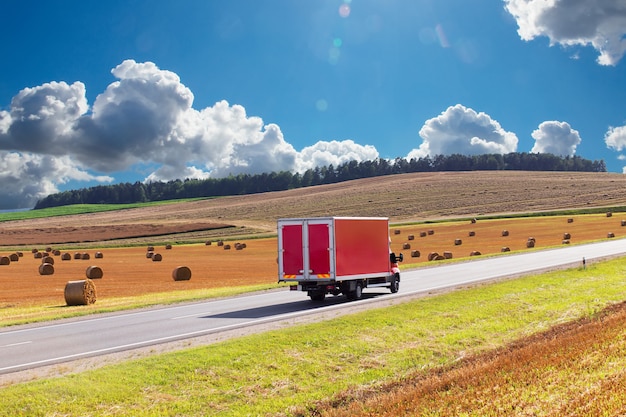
(422, 234)
(530, 243)
(458, 242)
(5, 260)
(47, 260)
(38, 255)
(439, 258)
(415, 254)
(570, 220)
(410, 237)
(475, 253)
(56, 252)
(609, 214)
(220, 243)
(46, 269)
(94, 272)
(98, 255)
(20, 254)
(239, 246)
(565, 241)
(505, 249)
(473, 221)
(396, 232)
(567, 236)
(226, 247)
(48, 249)
(432, 256)
(471, 233)
(77, 255)
(182, 273)
(623, 222)
(157, 257)
(610, 235)
(35, 250)
(85, 256)
(208, 243)
(505, 233)
(431, 232)
(150, 249)
(406, 246)
(168, 246)
(14, 257)
(80, 293)
(149, 255)
(66, 257)
(447, 255)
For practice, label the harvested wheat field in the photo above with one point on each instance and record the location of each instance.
(251, 219)
(136, 270)
(129, 271)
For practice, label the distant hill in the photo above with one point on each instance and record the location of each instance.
(242, 184)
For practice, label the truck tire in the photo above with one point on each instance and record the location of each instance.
(317, 296)
(357, 293)
(395, 284)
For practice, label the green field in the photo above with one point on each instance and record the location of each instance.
(305, 368)
(81, 209)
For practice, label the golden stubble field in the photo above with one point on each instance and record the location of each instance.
(252, 219)
(129, 272)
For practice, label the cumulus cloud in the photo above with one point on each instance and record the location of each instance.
(461, 130)
(615, 138)
(144, 118)
(335, 153)
(27, 177)
(557, 138)
(599, 23)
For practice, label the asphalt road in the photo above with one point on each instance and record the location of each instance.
(28, 347)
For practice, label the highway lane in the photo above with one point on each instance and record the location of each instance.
(27, 347)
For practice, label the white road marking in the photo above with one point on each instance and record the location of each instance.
(190, 315)
(16, 344)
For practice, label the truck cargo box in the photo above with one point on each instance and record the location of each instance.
(326, 250)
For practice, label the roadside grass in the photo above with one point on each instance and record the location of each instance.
(11, 316)
(295, 371)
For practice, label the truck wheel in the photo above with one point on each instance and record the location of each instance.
(317, 296)
(357, 293)
(395, 285)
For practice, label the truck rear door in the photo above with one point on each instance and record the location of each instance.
(306, 249)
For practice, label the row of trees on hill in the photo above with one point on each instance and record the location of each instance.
(277, 181)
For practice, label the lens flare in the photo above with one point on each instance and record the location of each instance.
(443, 40)
(344, 10)
(321, 105)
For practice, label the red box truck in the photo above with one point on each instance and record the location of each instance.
(337, 255)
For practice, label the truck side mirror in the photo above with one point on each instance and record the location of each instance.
(395, 259)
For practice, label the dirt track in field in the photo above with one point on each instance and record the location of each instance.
(403, 198)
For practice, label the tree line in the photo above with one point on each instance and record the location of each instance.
(139, 192)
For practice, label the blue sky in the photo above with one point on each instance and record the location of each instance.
(99, 92)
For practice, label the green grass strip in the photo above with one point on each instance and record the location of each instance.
(286, 372)
(82, 209)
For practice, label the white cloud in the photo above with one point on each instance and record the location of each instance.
(599, 23)
(41, 118)
(461, 130)
(27, 177)
(335, 153)
(557, 138)
(615, 138)
(146, 119)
